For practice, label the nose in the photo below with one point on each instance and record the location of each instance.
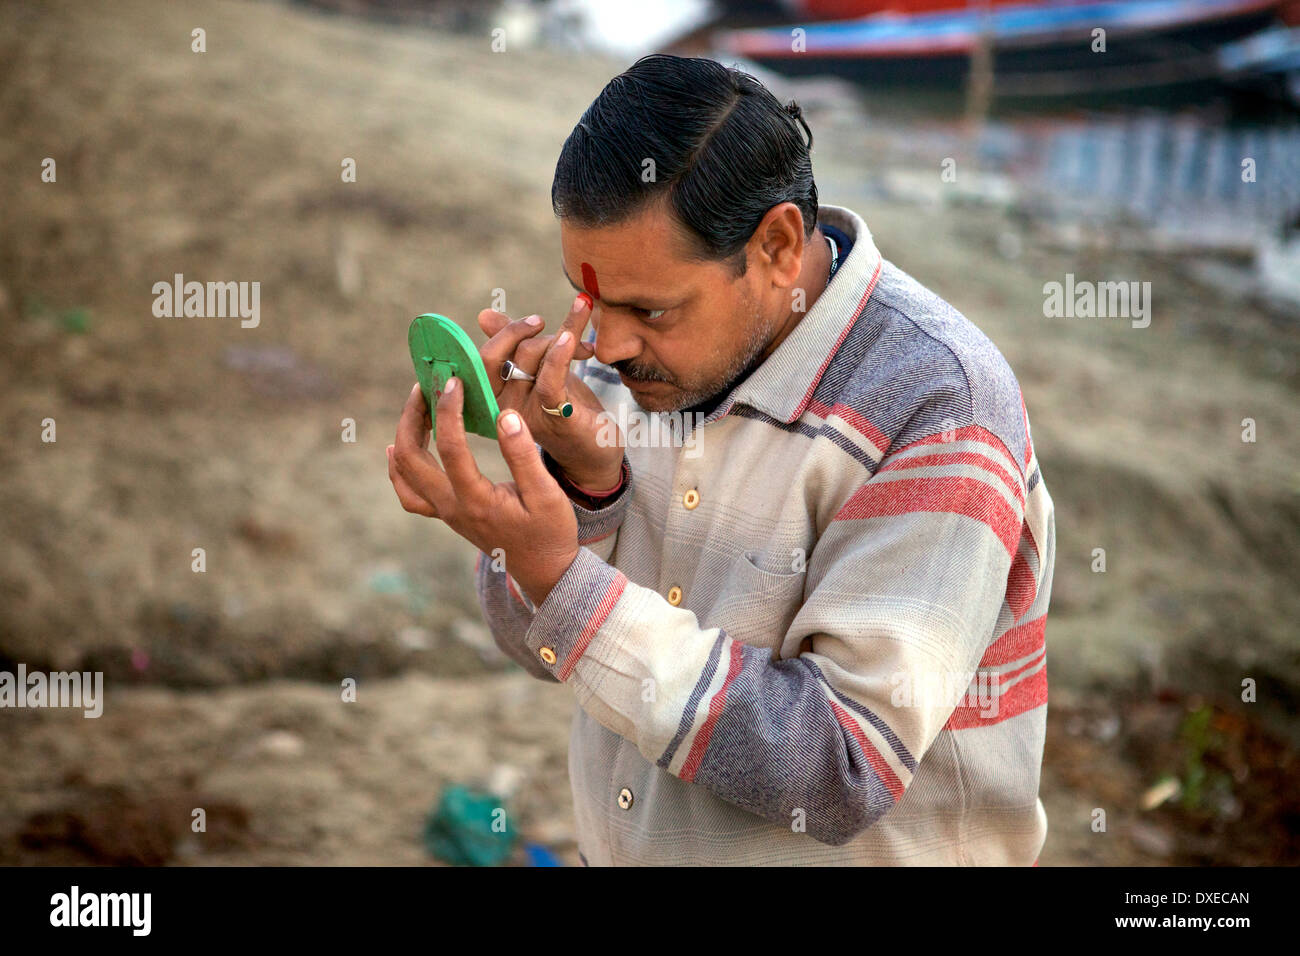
(615, 339)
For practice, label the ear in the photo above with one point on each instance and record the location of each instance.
(779, 242)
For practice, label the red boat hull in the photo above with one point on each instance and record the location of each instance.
(852, 9)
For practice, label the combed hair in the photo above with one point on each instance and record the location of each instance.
(725, 151)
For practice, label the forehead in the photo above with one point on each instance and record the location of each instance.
(641, 251)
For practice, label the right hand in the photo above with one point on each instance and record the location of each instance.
(574, 441)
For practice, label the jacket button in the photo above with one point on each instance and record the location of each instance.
(674, 595)
(625, 798)
(547, 654)
(691, 499)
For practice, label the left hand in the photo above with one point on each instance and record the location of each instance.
(529, 518)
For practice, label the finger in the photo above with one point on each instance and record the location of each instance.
(528, 356)
(554, 370)
(415, 410)
(414, 462)
(562, 350)
(504, 345)
(576, 323)
(467, 481)
(589, 411)
(491, 321)
(535, 484)
(579, 313)
(405, 494)
(530, 352)
(580, 393)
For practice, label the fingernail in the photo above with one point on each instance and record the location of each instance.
(583, 299)
(563, 338)
(533, 320)
(510, 423)
(450, 386)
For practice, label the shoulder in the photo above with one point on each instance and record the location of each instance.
(915, 367)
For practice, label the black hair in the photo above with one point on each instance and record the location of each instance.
(724, 152)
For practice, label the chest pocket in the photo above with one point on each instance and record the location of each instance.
(759, 599)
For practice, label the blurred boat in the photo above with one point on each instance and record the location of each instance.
(1270, 59)
(852, 9)
(1038, 50)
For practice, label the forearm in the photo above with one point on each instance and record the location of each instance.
(506, 607)
(508, 614)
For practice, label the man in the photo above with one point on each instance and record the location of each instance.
(814, 632)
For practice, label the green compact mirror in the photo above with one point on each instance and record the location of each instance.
(440, 349)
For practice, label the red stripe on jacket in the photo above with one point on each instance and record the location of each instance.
(1017, 643)
(959, 458)
(1027, 640)
(716, 705)
(1022, 588)
(883, 770)
(970, 497)
(971, 433)
(1024, 696)
(607, 602)
(854, 419)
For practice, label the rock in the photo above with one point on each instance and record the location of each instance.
(281, 743)
(1152, 840)
(415, 638)
(1165, 790)
(505, 779)
(476, 635)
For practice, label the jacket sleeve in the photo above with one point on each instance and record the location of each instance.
(906, 586)
(507, 609)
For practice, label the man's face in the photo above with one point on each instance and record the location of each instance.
(713, 324)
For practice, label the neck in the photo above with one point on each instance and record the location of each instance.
(814, 273)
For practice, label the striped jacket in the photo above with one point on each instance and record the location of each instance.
(813, 632)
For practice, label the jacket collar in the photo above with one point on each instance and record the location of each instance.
(784, 384)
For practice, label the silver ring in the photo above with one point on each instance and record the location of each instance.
(510, 370)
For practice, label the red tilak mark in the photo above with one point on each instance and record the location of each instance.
(589, 280)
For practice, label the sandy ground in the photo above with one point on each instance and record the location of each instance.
(176, 434)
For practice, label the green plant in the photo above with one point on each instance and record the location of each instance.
(1201, 741)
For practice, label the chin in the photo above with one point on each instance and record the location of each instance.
(652, 405)
(662, 400)
(673, 398)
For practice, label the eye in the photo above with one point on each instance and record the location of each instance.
(648, 314)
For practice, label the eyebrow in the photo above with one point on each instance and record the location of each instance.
(608, 301)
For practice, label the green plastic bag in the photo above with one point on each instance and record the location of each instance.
(459, 830)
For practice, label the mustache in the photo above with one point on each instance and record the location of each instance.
(640, 373)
